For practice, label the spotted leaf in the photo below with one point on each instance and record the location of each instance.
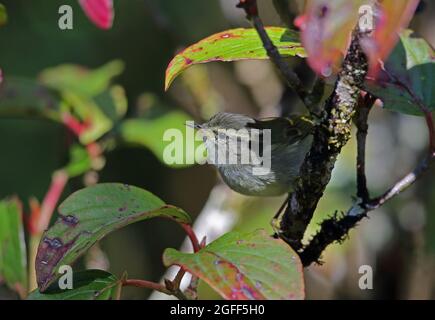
(231, 45)
(90, 214)
(245, 266)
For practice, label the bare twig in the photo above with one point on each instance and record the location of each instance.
(289, 75)
(403, 183)
(361, 118)
(292, 79)
(336, 229)
(316, 95)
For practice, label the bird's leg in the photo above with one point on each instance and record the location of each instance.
(276, 220)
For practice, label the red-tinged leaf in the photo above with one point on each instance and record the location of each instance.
(245, 266)
(391, 17)
(231, 45)
(100, 12)
(326, 27)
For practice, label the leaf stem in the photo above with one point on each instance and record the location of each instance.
(192, 236)
(146, 284)
(58, 182)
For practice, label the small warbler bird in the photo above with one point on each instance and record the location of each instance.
(285, 140)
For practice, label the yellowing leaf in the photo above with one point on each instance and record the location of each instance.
(231, 45)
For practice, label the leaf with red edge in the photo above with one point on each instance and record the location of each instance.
(100, 12)
(326, 27)
(391, 17)
(245, 266)
(232, 45)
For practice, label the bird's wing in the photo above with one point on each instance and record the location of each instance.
(290, 129)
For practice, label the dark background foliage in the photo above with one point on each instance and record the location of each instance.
(398, 241)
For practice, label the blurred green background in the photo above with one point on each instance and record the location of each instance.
(398, 241)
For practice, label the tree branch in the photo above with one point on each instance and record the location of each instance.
(329, 137)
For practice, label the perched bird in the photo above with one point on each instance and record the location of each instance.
(285, 140)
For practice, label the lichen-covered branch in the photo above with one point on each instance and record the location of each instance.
(330, 136)
(334, 229)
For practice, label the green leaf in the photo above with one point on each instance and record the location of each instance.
(88, 95)
(13, 261)
(80, 80)
(22, 97)
(241, 266)
(149, 133)
(87, 285)
(113, 102)
(89, 112)
(231, 45)
(406, 84)
(79, 162)
(90, 214)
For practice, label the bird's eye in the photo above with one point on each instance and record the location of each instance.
(222, 136)
(204, 138)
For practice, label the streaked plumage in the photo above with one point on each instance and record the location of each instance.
(290, 141)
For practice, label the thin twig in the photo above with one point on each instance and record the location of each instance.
(336, 229)
(315, 97)
(403, 183)
(289, 75)
(361, 118)
(292, 79)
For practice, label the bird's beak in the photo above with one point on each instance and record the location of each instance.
(194, 125)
